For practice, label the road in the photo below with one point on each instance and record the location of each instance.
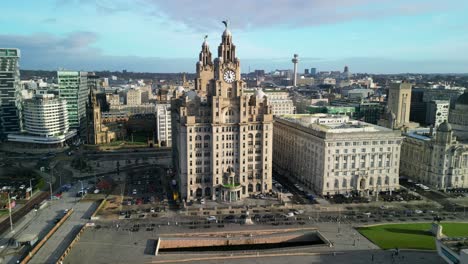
(41, 221)
(56, 245)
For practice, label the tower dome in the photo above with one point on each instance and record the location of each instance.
(205, 42)
(226, 33)
(444, 127)
(462, 99)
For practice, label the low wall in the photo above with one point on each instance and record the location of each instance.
(250, 239)
(207, 242)
(72, 244)
(47, 236)
(94, 216)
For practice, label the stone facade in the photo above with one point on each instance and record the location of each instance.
(436, 160)
(458, 118)
(398, 107)
(104, 130)
(221, 137)
(281, 103)
(336, 155)
(133, 97)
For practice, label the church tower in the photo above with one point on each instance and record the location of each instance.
(222, 139)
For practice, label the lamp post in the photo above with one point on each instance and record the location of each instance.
(30, 186)
(9, 211)
(82, 189)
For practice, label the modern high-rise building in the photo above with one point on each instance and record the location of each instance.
(163, 125)
(73, 87)
(46, 116)
(458, 118)
(437, 112)
(45, 122)
(313, 71)
(222, 138)
(10, 92)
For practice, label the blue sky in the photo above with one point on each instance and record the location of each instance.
(375, 36)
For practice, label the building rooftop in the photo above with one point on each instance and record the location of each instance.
(419, 133)
(332, 123)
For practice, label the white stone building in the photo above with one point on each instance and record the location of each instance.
(163, 125)
(222, 137)
(336, 155)
(134, 97)
(437, 160)
(280, 102)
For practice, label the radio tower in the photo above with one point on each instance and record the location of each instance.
(295, 60)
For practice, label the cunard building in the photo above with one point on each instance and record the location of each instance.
(222, 137)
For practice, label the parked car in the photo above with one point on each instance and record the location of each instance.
(230, 218)
(298, 212)
(290, 214)
(211, 218)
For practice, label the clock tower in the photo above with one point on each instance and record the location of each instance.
(222, 138)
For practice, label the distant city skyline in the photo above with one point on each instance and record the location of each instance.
(165, 36)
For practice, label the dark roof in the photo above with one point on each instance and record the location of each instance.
(463, 99)
(444, 127)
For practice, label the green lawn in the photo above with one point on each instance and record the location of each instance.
(410, 236)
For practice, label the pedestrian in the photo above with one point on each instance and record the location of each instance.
(372, 257)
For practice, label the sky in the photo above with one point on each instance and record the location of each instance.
(373, 36)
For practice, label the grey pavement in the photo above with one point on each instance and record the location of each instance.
(41, 221)
(109, 245)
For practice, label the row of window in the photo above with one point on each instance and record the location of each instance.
(364, 143)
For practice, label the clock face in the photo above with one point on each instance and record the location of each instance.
(229, 76)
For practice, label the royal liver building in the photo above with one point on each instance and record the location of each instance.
(222, 138)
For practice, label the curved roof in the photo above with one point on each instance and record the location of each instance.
(444, 127)
(227, 32)
(180, 89)
(191, 95)
(462, 99)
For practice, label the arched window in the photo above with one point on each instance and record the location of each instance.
(344, 183)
